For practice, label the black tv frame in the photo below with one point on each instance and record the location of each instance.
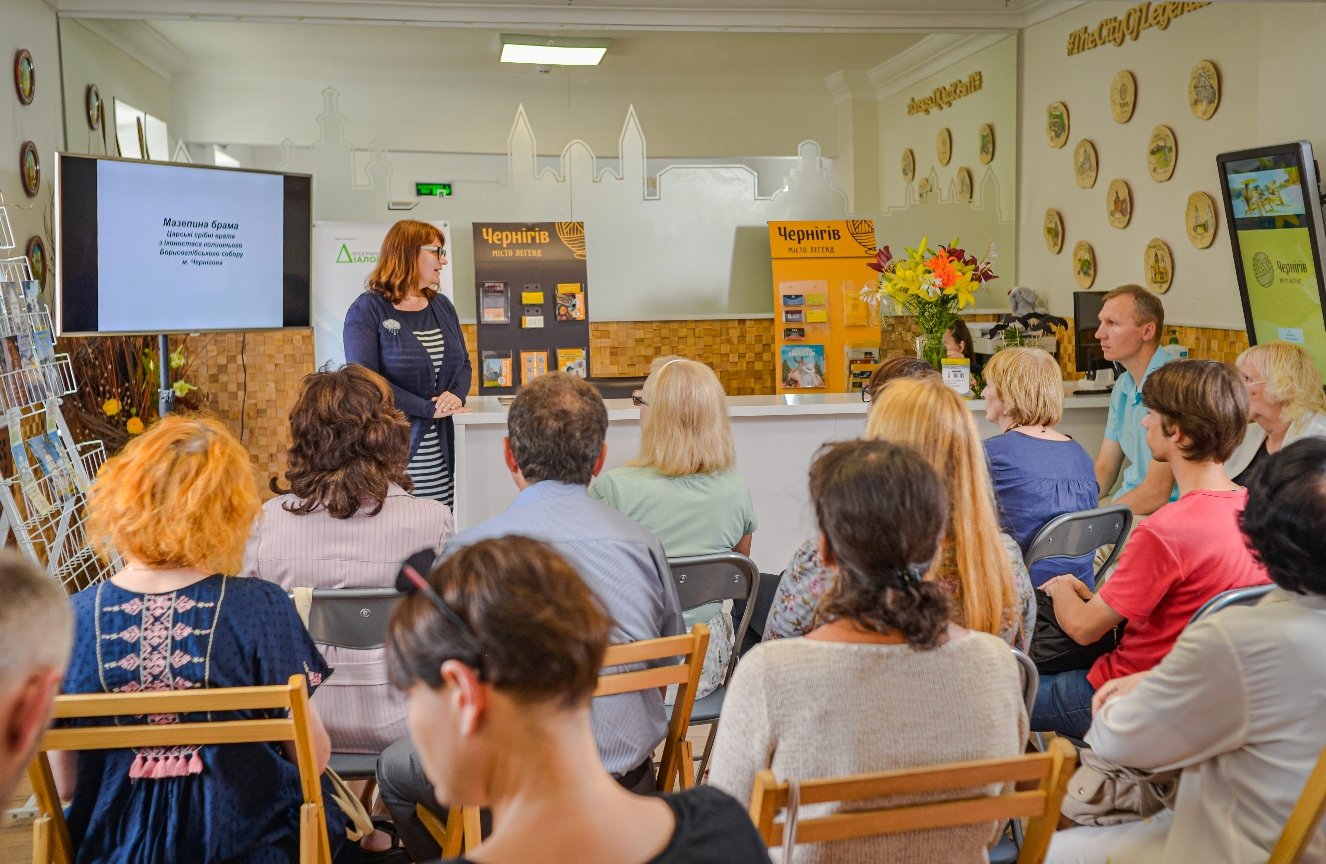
(1090, 348)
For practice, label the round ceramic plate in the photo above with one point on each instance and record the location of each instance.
(908, 165)
(987, 143)
(1162, 151)
(1085, 164)
(944, 146)
(1054, 231)
(1204, 90)
(36, 252)
(1123, 96)
(25, 76)
(1084, 264)
(964, 185)
(1119, 203)
(92, 104)
(29, 168)
(1056, 124)
(1200, 220)
(1159, 266)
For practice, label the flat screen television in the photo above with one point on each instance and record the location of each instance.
(1088, 355)
(153, 247)
(1273, 209)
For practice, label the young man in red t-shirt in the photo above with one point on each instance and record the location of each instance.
(1176, 560)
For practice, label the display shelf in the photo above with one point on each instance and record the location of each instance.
(30, 387)
(15, 269)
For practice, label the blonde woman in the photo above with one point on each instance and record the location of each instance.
(979, 568)
(682, 485)
(1037, 472)
(1285, 401)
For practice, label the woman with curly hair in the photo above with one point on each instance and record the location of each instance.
(885, 681)
(347, 520)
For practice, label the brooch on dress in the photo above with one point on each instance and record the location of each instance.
(392, 326)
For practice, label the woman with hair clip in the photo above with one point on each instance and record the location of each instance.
(885, 681)
(500, 651)
(403, 329)
(683, 486)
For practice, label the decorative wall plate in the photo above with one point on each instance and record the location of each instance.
(1084, 264)
(1119, 203)
(964, 185)
(1123, 96)
(29, 168)
(92, 104)
(25, 76)
(1085, 164)
(1204, 90)
(944, 145)
(1054, 231)
(1159, 266)
(36, 252)
(1200, 220)
(908, 165)
(1162, 151)
(1056, 124)
(987, 149)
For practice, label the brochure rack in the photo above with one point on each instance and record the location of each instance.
(42, 504)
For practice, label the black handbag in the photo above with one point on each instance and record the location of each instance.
(1054, 651)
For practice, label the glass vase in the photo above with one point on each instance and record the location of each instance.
(930, 348)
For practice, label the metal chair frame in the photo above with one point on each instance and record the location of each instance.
(1074, 534)
(1233, 597)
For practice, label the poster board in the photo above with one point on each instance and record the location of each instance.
(531, 300)
(824, 338)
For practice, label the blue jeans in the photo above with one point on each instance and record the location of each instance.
(1063, 704)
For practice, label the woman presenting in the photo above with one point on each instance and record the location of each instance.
(404, 330)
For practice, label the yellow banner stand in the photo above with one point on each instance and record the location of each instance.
(824, 340)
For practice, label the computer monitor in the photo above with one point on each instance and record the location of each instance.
(1088, 356)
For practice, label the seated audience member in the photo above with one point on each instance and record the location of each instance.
(500, 656)
(1176, 560)
(1285, 403)
(792, 611)
(1237, 704)
(554, 447)
(347, 521)
(979, 568)
(36, 628)
(886, 681)
(1037, 472)
(683, 486)
(958, 341)
(177, 503)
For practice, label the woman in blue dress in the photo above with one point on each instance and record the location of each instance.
(178, 504)
(408, 333)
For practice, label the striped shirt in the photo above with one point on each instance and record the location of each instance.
(428, 467)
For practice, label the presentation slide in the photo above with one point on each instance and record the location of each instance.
(181, 248)
(1282, 288)
(1266, 193)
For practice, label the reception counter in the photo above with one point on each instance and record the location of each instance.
(776, 439)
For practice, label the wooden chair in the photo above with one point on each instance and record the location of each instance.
(1050, 770)
(51, 841)
(1304, 819)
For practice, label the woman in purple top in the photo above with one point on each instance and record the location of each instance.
(1038, 473)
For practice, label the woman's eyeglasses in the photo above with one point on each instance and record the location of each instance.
(638, 398)
(867, 394)
(410, 579)
(438, 251)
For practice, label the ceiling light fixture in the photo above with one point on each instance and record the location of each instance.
(553, 50)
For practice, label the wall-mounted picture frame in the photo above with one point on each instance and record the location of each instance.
(25, 76)
(1084, 264)
(944, 146)
(1162, 153)
(1123, 96)
(987, 143)
(965, 185)
(1200, 220)
(1056, 124)
(1086, 164)
(29, 168)
(1158, 264)
(1119, 203)
(37, 258)
(94, 107)
(1204, 90)
(908, 165)
(1053, 229)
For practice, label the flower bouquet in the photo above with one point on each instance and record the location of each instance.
(930, 286)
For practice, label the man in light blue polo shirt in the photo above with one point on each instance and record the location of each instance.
(1131, 320)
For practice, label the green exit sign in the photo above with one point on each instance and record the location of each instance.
(437, 190)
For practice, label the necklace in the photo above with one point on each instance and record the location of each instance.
(1040, 427)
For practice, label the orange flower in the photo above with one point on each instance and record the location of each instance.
(942, 266)
(110, 407)
(134, 426)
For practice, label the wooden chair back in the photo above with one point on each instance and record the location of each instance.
(1304, 819)
(1049, 770)
(51, 841)
(678, 763)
